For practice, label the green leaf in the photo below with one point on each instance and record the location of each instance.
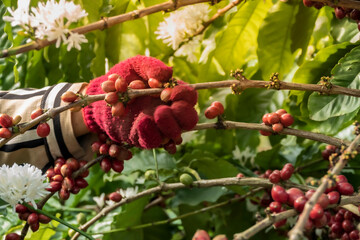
(345, 74)
(311, 71)
(144, 160)
(303, 28)
(197, 221)
(163, 231)
(195, 196)
(274, 40)
(238, 42)
(126, 39)
(44, 232)
(344, 30)
(35, 76)
(130, 215)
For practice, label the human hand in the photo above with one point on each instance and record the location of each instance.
(148, 122)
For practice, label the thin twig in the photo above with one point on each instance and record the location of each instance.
(254, 182)
(241, 84)
(103, 24)
(189, 214)
(247, 234)
(297, 232)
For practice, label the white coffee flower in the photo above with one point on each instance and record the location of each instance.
(74, 40)
(190, 49)
(50, 20)
(20, 16)
(100, 201)
(182, 24)
(22, 183)
(129, 192)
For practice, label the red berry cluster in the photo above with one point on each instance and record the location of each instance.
(43, 129)
(61, 179)
(342, 225)
(114, 153)
(284, 174)
(215, 109)
(329, 150)
(340, 12)
(6, 122)
(31, 217)
(277, 120)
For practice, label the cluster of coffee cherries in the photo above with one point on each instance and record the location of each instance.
(7, 122)
(331, 153)
(340, 12)
(342, 225)
(277, 120)
(61, 179)
(31, 217)
(216, 109)
(43, 129)
(114, 154)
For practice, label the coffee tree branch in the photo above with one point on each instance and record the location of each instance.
(103, 24)
(297, 231)
(234, 181)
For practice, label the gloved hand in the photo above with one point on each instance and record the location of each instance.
(148, 121)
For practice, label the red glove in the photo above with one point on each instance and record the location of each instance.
(148, 122)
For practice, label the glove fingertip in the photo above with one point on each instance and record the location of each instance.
(149, 135)
(185, 115)
(149, 67)
(166, 122)
(185, 93)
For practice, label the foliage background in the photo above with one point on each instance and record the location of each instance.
(261, 37)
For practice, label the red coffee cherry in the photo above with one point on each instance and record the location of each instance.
(108, 86)
(347, 225)
(279, 223)
(69, 97)
(309, 225)
(5, 133)
(294, 193)
(341, 179)
(299, 203)
(275, 207)
(267, 173)
(279, 194)
(50, 173)
(111, 98)
(68, 183)
(340, 13)
(5, 120)
(54, 186)
(114, 150)
(113, 77)
(354, 235)
(265, 119)
(36, 113)
(137, 84)
(19, 208)
(66, 170)
(64, 194)
(57, 178)
(43, 130)
(281, 112)
(33, 218)
(321, 222)
(118, 109)
(323, 201)
(309, 193)
(24, 216)
(277, 127)
(117, 166)
(170, 147)
(104, 149)
(81, 183)
(286, 120)
(334, 197)
(12, 236)
(265, 133)
(115, 196)
(317, 212)
(240, 175)
(34, 227)
(154, 83)
(336, 228)
(212, 112)
(273, 118)
(121, 85)
(44, 219)
(73, 164)
(345, 188)
(285, 173)
(308, 3)
(105, 165)
(219, 106)
(275, 177)
(348, 215)
(165, 94)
